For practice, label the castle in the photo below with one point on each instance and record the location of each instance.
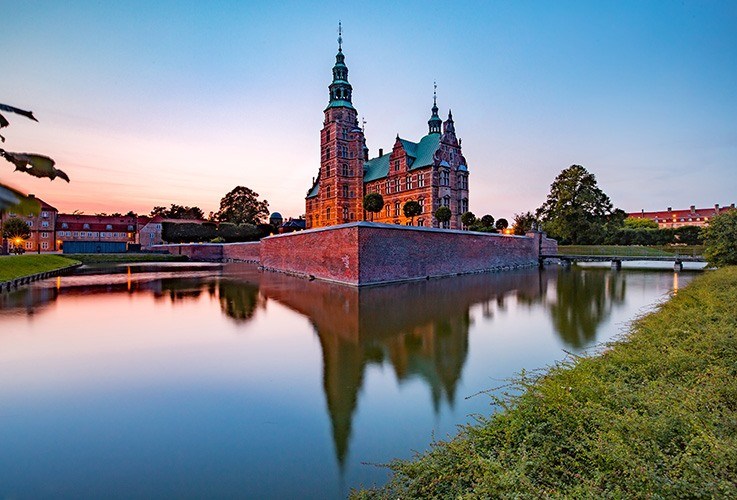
(432, 171)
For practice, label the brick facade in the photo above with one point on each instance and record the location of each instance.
(42, 226)
(671, 219)
(432, 171)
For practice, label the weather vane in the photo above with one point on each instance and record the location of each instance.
(435, 93)
(363, 124)
(340, 36)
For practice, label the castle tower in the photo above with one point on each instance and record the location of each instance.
(340, 182)
(435, 122)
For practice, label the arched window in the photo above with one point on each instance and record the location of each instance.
(327, 213)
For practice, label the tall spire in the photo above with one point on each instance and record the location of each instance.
(435, 122)
(340, 89)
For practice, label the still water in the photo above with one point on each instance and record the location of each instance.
(220, 381)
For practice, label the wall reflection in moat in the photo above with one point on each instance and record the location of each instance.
(420, 329)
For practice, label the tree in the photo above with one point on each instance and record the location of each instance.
(689, 235)
(443, 214)
(576, 210)
(468, 219)
(373, 203)
(640, 223)
(15, 230)
(523, 222)
(720, 239)
(177, 212)
(242, 206)
(502, 224)
(412, 209)
(30, 163)
(487, 221)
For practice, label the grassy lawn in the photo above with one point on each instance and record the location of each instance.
(18, 266)
(629, 251)
(654, 415)
(114, 258)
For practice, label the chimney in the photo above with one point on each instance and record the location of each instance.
(670, 209)
(693, 209)
(381, 152)
(732, 205)
(716, 207)
(31, 195)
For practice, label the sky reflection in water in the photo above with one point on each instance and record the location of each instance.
(195, 381)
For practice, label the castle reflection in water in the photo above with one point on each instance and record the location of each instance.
(420, 329)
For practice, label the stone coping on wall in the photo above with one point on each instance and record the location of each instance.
(395, 227)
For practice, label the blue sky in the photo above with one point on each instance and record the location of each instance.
(151, 103)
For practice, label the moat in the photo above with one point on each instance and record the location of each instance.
(206, 380)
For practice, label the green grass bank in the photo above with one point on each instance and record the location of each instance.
(19, 266)
(124, 258)
(654, 415)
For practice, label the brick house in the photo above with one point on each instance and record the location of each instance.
(431, 171)
(43, 237)
(95, 228)
(676, 218)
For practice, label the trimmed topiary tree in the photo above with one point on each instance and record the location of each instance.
(373, 203)
(443, 214)
(412, 209)
(468, 219)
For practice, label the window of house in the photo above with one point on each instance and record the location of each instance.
(327, 191)
(446, 225)
(388, 188)
(45, 245)
(345, 213)
(86, 226)
(408, 183)
(397, 185)
(29, 245)
(44, 214)
(327, 153)
(327, 135)
(396, 208)
(345, 191)
(463, 182)
(343, 151)
(89, 235)
(345, 169)
(344, 134)
(396, 165)
(421, 222)
(44, 235)
(445, 201)
(327, 213)
(76, 234)
(64, 225)
(353, 216)
(30, 223)
(464, 205)
(44, 223)
(387, 210)
(420, 180)
(421, 201)
(109, 227)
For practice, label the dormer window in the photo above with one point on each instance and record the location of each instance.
(86, 226)
(109, 227)
(396, 165)
(64, 225)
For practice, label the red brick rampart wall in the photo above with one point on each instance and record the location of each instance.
(367, 253)
(242, 252)
(326, 253)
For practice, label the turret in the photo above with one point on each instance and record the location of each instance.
(434, 122)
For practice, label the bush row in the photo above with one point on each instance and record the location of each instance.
(189, 232)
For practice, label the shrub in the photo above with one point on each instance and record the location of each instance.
(720, 239)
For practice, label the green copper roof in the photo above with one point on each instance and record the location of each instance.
(423, 151)
(340, 104)
(314, 189)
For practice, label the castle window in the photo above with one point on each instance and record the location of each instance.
(421, 201)
(328, 170)
(420, 180)
(343, 151)
(327, 153)
(420, 222)
(396, 165)
(344, 133)
(327, 191)
(388, 188)
(396, 208)
(463, 181)
(408, 183)
(327, 213)
(387, 210)
(397, 185)
(345, 213)
(444, 177)
(353, 216)
(345, 191)
(464, 205)
(345, 169)
(445, 201)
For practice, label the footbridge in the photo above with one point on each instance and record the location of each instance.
(616, 260)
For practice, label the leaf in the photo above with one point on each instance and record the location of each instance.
(11, 109)
(15, 201)
(3, 121)
(40, 165)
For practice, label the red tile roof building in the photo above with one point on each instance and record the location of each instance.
(676, 218)
(77, 227)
